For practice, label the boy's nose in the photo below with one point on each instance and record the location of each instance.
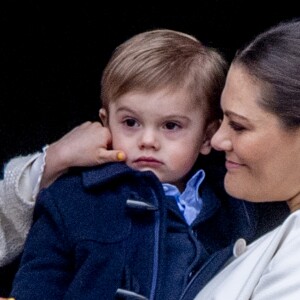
(148, 140)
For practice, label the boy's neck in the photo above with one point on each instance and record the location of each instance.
(181, 184)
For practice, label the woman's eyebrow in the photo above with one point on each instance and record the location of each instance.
(229, 113)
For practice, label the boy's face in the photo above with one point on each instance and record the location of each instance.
(161, 132)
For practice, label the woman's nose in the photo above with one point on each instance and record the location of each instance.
(221, 140)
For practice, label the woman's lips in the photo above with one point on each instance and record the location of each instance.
(231, 165)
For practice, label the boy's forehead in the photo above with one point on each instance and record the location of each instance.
(178, 94)
(162, 101)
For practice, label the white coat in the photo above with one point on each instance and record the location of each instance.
(267, 269)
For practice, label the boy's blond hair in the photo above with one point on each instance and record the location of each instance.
(165, 59)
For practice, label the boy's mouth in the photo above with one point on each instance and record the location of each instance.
(148, 161)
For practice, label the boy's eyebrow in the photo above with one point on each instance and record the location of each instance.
(121, 108)
(124, 108)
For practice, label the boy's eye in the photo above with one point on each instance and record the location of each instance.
(131, 122)
(171, 126)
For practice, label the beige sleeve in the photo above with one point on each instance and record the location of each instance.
(16, 205)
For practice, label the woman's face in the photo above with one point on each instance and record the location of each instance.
(262, 158)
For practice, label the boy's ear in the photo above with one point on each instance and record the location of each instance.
(211, 128)
(103, 116)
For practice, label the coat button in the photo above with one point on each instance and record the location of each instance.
(191, 274)
(239, 247)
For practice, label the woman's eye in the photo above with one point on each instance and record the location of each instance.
(236, 127)
(130, 122)
(171, 126)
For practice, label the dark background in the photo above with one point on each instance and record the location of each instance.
(52, 54)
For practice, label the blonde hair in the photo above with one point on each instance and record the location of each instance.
(165, 59)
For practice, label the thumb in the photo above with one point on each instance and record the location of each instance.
(111, 156)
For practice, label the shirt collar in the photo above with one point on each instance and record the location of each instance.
(189, 201)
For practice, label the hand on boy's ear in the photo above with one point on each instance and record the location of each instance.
(104, 153)
(88, 144)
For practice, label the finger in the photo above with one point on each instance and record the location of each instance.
(111, 155)
(121, 156)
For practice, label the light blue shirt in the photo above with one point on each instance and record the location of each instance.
(189, 201)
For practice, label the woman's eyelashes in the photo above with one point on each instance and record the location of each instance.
(236, 126)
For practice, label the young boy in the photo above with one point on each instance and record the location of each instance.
(155, 227)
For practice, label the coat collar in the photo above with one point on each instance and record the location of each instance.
(102, 174)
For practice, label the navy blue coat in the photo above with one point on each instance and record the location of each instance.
(94, 238)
